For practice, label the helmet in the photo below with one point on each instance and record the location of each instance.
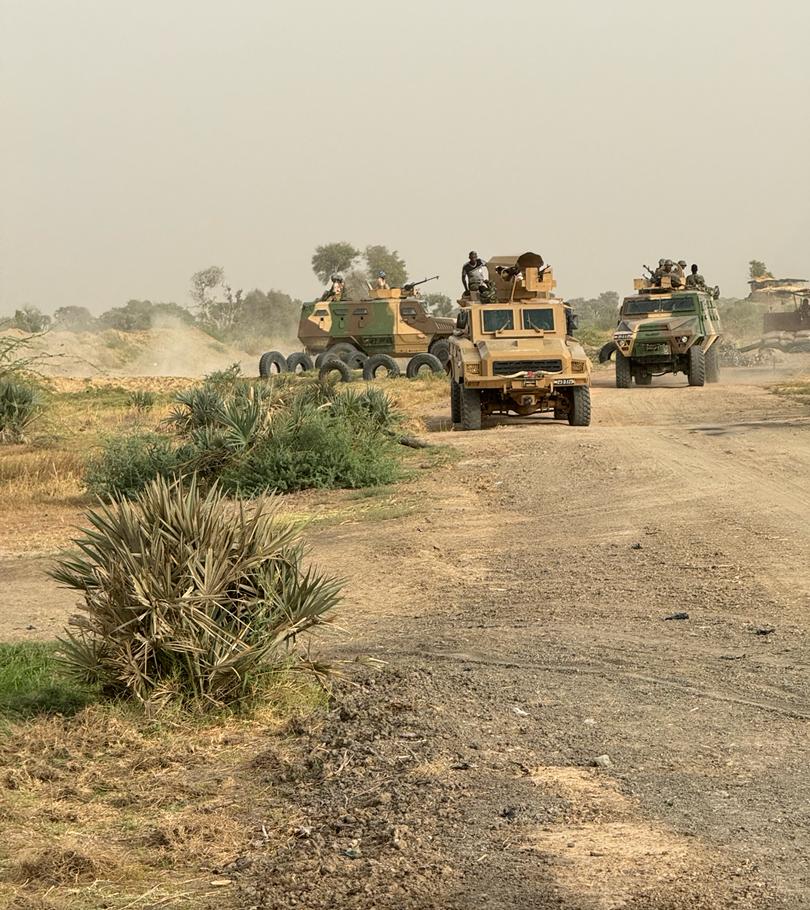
(682, 263)
(668, 263)
(381, 274)
(337, 278)
(661, 263)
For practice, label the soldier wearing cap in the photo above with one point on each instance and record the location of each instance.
(474, 273)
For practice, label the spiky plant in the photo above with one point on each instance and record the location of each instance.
(190, 596)
(20, 405)
(142, 400)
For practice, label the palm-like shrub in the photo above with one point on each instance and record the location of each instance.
(190, 596)
(20, 405)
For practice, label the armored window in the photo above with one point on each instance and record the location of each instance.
(360, 311)
(683, 305)
(640, 307)
(498, 320)
(321, 313)
(408, 312)
(542, 320)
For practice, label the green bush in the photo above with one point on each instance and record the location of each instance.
(189, 598)
(20, 405)
(127, 463)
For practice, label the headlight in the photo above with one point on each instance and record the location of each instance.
(577, 366)
(683, 339)
(472, 367)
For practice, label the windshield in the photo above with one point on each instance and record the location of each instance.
(642, 306)
(543, 320)
(498, 320)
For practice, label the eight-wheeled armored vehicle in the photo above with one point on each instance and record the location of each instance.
(515, 352)
(666, 330)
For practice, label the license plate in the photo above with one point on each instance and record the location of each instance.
(563, 382)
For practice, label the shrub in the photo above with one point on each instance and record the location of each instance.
(189, 597)
(20, 405)
(127, 463)
(142, 400)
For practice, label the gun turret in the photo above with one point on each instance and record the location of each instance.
(412, 284)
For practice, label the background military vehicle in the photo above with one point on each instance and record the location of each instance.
(516, 352)
(786, 329)
(666, 330)
(372, 333)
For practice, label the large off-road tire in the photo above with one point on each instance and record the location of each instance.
(342, 350)
(606, 351)
(331, 365)
(300, 361)
(624, 374)
(355, 361)
(455, 401)
(712, 361)
(644, 378)
(440, 349)
(418, 361)
(377, 362)
(470, 401)
(696, 369)
(270, 362)
(579, 412)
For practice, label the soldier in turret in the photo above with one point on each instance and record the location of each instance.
(335, 291)
(474, 273)
(695, 279)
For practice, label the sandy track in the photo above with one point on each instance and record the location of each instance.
(531, 592)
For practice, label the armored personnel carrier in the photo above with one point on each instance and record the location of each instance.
(389, 323)
(666, 330)
(515, 352)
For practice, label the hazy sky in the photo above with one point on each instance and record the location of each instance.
(141, 141)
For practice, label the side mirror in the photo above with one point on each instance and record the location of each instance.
(574, 320)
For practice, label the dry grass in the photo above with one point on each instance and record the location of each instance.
(104, 807)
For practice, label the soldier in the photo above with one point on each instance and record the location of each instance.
(695, 280)
(656, 275)
(381, 283)
(335, 292)
(678, 273)
(474, 273)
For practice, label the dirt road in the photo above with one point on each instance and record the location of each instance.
(528, 608)
(524, 614)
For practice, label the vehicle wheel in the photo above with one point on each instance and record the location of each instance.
(378, 362)
(271, 362)
(644, 378)
(319, 359)
(579, 414)
(415, 364)
(623, 373)
(355, 361)
(455, 401)
(342, 350)
(300, 360)
(441, 350)
(470, 400)
(606, 351)
(696, 370)
(334, 365)
(712, 360)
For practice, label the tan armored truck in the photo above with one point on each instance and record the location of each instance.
(515, 352)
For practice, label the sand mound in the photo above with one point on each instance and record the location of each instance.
(173, 350)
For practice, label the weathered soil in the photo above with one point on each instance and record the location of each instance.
(522, 618)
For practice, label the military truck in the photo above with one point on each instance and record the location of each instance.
(662, 330)
(371, 332)
(515, 352)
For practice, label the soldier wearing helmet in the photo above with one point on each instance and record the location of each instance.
(337, 289)
(382, 282)
(678, 273)
(474, 273)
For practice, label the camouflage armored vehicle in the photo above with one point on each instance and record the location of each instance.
(666, 330)
(516, 352)
(389, 323)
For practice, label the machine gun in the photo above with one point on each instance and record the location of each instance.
(649, 271)
(412, 284)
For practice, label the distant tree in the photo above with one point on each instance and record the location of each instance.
(597, 312)
(30, 319)
(74, 319)
(439, 304)
(218, 305)
(381, 259)
(272, 313)
(141, 315)
(331, 258)
(758, 269)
